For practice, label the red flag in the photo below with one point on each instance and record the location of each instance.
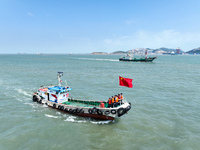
(125, 82)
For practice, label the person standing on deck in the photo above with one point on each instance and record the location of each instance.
(109, 103)
(112, 101)
(116, 101)
(121, 98)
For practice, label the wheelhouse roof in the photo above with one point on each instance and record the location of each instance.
(59, 89)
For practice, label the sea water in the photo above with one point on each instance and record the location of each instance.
(165, 100)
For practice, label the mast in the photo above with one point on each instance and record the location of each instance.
(59, 80)
(178, 50)
(146, 54)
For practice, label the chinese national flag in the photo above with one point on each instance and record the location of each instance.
(125, 82)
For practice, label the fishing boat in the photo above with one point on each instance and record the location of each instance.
(57, 97)
(129, 57)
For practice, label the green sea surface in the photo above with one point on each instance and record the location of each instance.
(165, 100)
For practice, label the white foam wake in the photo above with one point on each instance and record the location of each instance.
(24, 92)
(51, 116)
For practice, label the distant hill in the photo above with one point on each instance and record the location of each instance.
(158, 50)
(196, 50)
(150, 51)
(119, 52)
(164, 49)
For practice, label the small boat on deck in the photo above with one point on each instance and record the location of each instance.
(57, 97)
(129, 57)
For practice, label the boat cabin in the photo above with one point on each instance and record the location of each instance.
(58, 94)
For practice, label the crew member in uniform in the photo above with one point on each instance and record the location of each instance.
(112, 101)
(109, 103)
(116, 101)
(121, 98)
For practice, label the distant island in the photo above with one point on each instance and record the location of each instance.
(194, 51)
(100, 53)
(162, 50)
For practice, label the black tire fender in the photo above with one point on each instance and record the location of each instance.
(107, 112)
(81, 111)
(70, 110)
(54, 105)
(34, 98)
(61, 107)
(128, 108)
(66, 110)
(74, 111)
(113, 111)
(90, 111)
(99, 112)
(94, 110)
(120, 111)
(77, 110)
(40, 101)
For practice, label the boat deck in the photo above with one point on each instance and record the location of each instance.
(84, 103)
(78, 104)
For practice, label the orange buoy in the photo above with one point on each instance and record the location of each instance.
(102, 105)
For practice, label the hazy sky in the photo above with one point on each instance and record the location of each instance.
(85, 26)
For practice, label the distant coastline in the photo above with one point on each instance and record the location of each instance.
(161, 51)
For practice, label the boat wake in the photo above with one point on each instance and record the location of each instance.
(20, 91)
(101, 122)
(51, 116)
(85, 120)
(74, 119)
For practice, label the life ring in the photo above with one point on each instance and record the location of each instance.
(120, 111)
(54, 105)
(113, 111)
(90, 111)
(99, 112)
(94, 110)
(107, 112)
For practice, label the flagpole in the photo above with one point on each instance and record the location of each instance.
(120, 92)
(125, 82)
